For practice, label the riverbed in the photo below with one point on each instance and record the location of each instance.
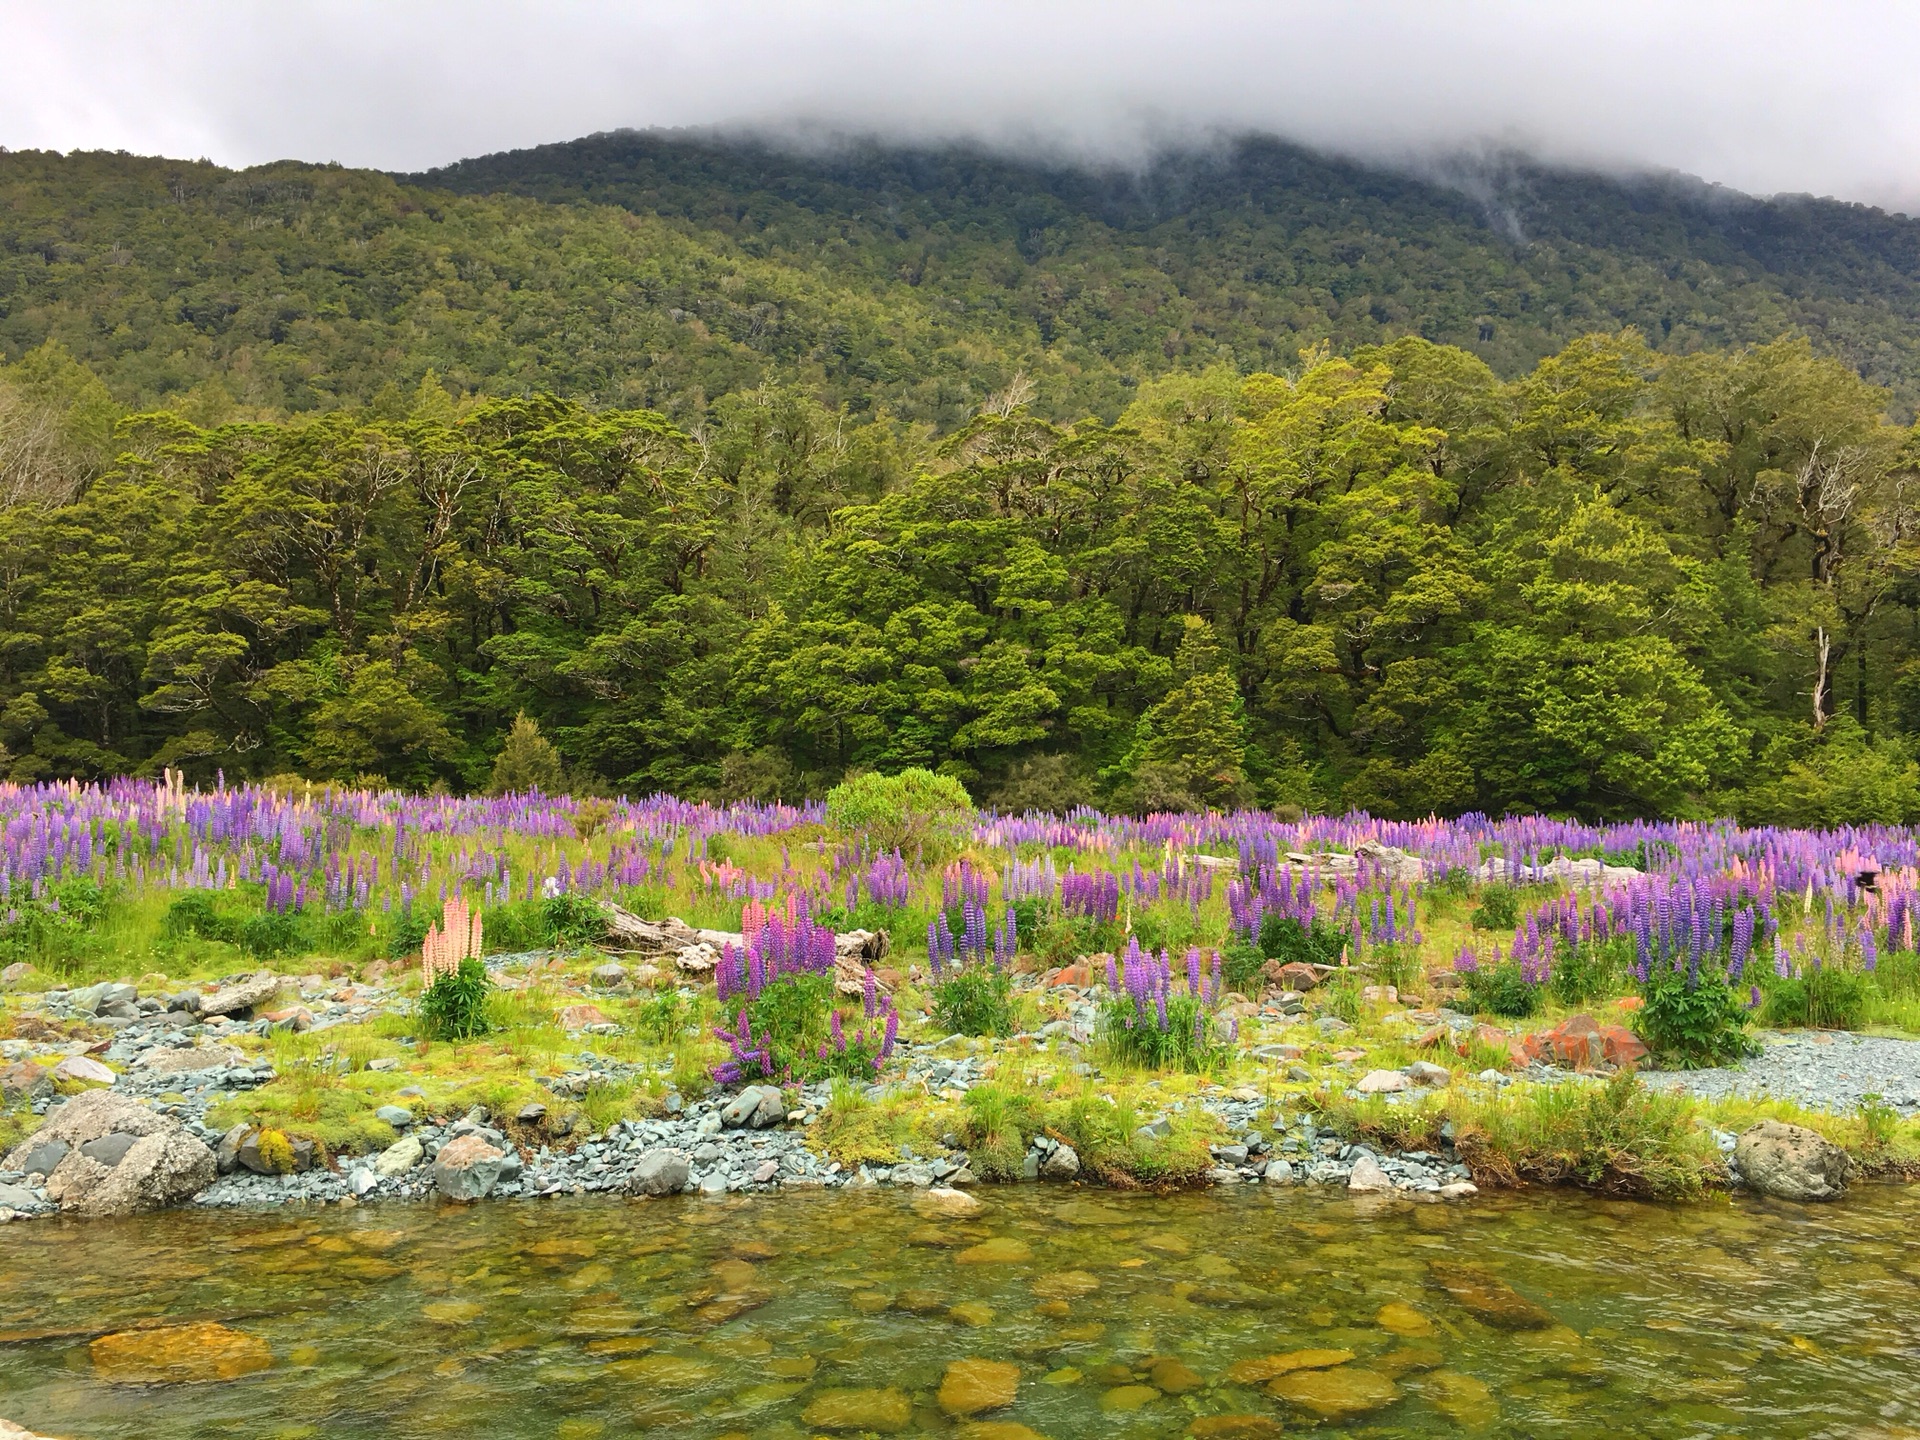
(1226, 1313)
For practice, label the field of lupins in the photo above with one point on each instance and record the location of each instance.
(121, 878)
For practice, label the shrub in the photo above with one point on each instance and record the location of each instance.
(790, 1030)
(1184, 1040)
(406, 932)
(271, 933)
(527, 761)
(976, 1001)
(1499, 908)
(1824, 997)
(1691, 1023)
(195, 916)
(454, 1007)
(915, 808)
(572, 919)
(1502, 990)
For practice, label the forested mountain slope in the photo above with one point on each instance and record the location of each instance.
(667, 269)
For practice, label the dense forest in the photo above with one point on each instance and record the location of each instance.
(1257, 479)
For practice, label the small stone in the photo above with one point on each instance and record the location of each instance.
(659, 1172)
(17, 973)
(395, 1115)
(242, 996)
(39, 1156)
(766, 1171)
(1383, 1082)
(532, 1113)
(1267, 1367)
(1125, 1399)
(610, 976)
(1425, 1072)
(108, 1150)
(578, 1017)
(944, 1200)
(22, 1082)
(1402, 1319)
(1173, 1377)
(1001, 1250)
(972, 1386)
(1236, 1427)
(1459, 1190)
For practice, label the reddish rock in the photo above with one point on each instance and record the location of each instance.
(1432, 1035)
(1631, 1002)
(1298, 975)
(24, 1081)
(293, 1017)
(1076, 974)
(578, 1017)
(1625, 1050)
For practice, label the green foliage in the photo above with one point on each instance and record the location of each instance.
(1285, 939)
(978, 1000)
(1501, 990)
(407, 932)
(56, 931)
(1822, 997)
(904, 812)
(1499, 908)
(1691, 1027)
(527, 762)
(1842, 776)
(454, 1007)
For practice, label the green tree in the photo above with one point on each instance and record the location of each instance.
(527, 762)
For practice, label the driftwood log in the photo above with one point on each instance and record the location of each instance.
(696, 952)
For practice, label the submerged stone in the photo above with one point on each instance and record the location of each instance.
(887, 1411)
(1489, 1298)
(974, 1385)
(1001, 1250)
(1337, 1393)
(179, 1354)
(1236, 1427)
(1266, 1367)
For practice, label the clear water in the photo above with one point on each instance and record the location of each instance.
(734, 1318)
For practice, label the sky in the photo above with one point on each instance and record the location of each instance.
(1764, 97)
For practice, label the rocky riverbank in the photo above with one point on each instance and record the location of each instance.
(124, 1087)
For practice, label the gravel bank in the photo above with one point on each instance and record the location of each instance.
(1824, 1070)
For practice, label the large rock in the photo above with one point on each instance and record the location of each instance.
(187, 1059)
(659, 1172)
(268, 1152)
(17, 973)
(1583, 1043)
(11, 1431)
(241, 996)
(467, 1168)
(756, 1107)
(154, 1172)
(1368, 1177)
(1791, 1162)
(83, 1070)
(1489, 1298)
(1383, 1082)
(1336, 1394)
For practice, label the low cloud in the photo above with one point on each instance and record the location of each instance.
(1765, 97)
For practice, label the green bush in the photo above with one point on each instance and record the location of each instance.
(1691, 1027)
(454, 1007)
(976, 1001)
(915, 809)
(1499, 908)
(406, 933)
(1587, 972)
(1827, 997)
(573, 920)
(1502, 990)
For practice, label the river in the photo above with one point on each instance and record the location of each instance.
(1222, 1313)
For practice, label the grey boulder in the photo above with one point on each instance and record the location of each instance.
(1791, 1162)
(242, 995)
(1061, 1164)
(659, 1172)
(756, 1108)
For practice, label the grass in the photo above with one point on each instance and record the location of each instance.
(1618, 1138)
